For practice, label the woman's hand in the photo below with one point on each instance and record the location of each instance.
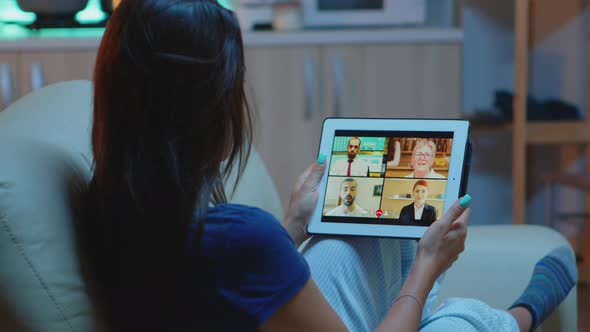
(437, 250)
(444, 240)
(303, 201)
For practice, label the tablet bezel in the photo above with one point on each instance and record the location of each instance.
(460, 130)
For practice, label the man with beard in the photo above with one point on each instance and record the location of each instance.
(352, 166)
(346, 206)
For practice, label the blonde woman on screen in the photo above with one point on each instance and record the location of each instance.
(423, 161)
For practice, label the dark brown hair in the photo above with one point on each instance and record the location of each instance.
(170, 122)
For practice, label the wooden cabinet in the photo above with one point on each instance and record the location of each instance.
(292, 89)
(343, 87)
(38, 69)
(8, 88)
(282, 85)
(414, 81)
(406, 80)
(21, 73)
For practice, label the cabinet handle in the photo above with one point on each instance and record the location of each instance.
(308, 78)
(338, 72)
(6, 85)
(37, 76)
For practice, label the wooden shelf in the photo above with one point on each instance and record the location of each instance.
(581, 182)
(558, 132)
(525, 133)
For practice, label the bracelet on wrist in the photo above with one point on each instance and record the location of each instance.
(410, 296)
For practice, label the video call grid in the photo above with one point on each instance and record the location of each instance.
(387, 136)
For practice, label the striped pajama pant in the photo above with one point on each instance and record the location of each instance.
(361, 277)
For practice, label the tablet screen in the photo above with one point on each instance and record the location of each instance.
(387, 177)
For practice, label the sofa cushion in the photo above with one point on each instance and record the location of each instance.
(45, 147)
(44, 144)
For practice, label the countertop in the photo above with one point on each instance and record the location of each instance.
(16, 38)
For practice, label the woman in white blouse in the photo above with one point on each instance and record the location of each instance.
(423, 161)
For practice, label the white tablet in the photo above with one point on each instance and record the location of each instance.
(389, 177)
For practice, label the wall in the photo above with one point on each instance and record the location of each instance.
(557, 70)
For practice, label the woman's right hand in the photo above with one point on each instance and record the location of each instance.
(444, 240)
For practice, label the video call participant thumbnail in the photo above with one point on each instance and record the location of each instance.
(419, 212)
(353, 166)
(423, 161)
(346, 201)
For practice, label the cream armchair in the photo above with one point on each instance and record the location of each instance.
(44, 140)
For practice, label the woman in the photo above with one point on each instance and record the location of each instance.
(423, 160)
(163, 251)
(419, 212)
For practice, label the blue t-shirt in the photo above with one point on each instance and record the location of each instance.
(253, 268)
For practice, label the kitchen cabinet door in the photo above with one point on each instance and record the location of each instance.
(39, 69)
(343, 81)
(80, 65)
(413, 81)
(282, 85)
(8, 79)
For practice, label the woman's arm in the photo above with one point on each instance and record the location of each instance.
(310, 311)
(437, 250)
(405, 215)
(307, 311)
(406, 311)
(405, 212)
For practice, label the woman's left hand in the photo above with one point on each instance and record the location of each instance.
(303, 201)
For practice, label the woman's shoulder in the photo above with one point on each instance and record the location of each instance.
(245, 225)
(241, 215)
(405, 210)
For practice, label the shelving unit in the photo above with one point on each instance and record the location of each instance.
(519, 143)
(525, 134)
(563, 133)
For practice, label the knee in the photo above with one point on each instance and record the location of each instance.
(334, 248)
